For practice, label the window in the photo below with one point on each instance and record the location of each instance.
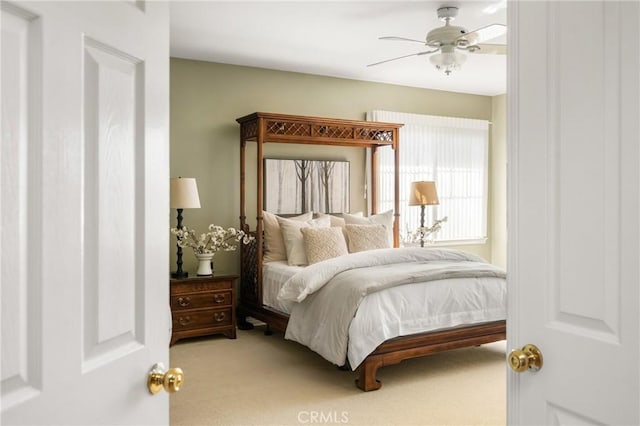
(453, 152)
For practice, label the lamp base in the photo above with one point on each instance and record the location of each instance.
(422, 226)
(179, 275)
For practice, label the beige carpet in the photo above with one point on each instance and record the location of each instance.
(266, 380)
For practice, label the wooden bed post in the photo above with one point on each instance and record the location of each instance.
(259, 206)
(243, 212)
(374, 180)
(396, 190)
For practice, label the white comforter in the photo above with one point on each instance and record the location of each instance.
(320, 323)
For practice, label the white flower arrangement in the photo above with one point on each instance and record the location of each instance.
(422, 232)
(213, 241)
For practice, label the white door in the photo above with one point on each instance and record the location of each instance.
(574, 186)
(84, 200)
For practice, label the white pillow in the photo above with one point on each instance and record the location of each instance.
(293, 241)
(323, 243)
(367, 237)
(385, 219)
(338, 220)
(274, 248)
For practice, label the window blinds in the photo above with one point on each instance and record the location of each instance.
(451, 151)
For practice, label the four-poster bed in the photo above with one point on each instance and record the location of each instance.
(264, 128)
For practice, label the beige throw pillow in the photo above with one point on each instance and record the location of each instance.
(293, 242)
(385, 219)
(339, 221)
(367, 237)
(323, 243)
(273, 242)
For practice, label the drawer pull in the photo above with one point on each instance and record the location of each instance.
(184, 301)
(219, 316)
(184, 320)
(218, 298)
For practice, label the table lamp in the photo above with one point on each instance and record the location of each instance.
(183, 195)
(423, 193)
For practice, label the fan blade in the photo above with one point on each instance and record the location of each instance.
(402, 57)
(393, 38)
(490, 49)
(483, 34)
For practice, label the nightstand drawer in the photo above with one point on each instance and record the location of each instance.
(201, 300)
(196, 285)
(205, 318)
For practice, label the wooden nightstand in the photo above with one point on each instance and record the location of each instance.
(203, 305)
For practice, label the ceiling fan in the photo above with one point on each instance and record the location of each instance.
(447, 43)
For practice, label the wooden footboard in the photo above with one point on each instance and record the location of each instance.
(396, 350)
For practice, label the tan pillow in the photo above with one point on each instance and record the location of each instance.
(367, 237)
(323, 243)
(385, 219)
(273, 242)
(293, 242)
(339, 221)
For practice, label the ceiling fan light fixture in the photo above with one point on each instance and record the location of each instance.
(448, 61)
(448, 44)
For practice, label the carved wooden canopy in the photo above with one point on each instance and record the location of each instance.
(283, 128)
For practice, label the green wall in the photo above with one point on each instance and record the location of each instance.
(206, 99)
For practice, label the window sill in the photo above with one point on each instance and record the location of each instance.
(446, 243)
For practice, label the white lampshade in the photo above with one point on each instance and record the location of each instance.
(184, 193)
(423, 193)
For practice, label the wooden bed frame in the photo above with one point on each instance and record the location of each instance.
(263, 128)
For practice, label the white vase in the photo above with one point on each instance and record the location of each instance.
(205, 264)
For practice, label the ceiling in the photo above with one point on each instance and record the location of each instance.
(336, 38)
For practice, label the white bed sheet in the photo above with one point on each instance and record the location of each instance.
(404, 310)
(274, 275)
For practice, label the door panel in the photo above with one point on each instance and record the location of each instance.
(574, 191)
(20, 176)
(113, 139)
(586, 210)
(84, 186)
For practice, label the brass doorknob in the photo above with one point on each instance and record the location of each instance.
(159, 377)
(529, 357)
